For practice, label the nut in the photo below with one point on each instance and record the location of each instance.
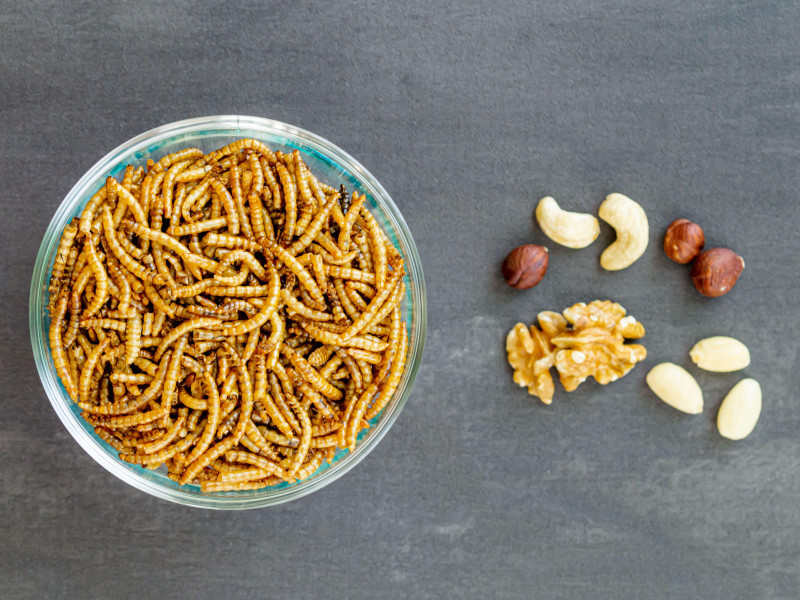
(570, 229)
(720, 354)
(675, 386)
(683, 241)
(633, 232)
(715, 271)
(587, 341)
(739, 411)
(525, 266)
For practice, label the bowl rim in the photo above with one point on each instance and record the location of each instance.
(91, 443)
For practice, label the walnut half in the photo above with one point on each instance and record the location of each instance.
(587, 341)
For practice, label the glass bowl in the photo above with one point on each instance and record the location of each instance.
(330, 164)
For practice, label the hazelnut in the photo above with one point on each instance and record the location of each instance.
(525, 266)
(683, 241)
(715, 271)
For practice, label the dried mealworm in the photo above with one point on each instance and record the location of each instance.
(292, 364)
(349, 220)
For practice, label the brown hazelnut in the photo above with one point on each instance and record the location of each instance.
(525, 266)
(715, 271)
(683, 241)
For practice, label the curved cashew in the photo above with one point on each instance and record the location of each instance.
(570, 229)
(630, 222)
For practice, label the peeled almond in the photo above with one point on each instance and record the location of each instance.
(720, 354)
(675, 386)
(739, 412)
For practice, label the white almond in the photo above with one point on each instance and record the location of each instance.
(720, 354)
(739, 412)
(675, 386)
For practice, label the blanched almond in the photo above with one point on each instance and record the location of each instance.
(739, 412)
(720, 354)
(675, 386)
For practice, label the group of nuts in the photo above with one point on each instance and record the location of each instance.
(741, 408)
(526, 265)
(533, 351)
(715, 271)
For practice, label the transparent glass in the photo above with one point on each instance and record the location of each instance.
(333, 166)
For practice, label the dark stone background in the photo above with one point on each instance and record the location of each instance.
(467, 112)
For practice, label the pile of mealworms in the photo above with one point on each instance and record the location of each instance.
(227, 315)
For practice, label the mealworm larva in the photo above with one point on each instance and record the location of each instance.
(227, 203)
(349, 219)
(131, 378)
(194, 289)
(123, 287)
(373, 358)
(191, 174)
(256, 460)
(104, 324)
(232, 242)
(348, 273)
(100, 277)
(280, 402)
(169, 184)
(392, 379)
(197, 227)
(305, 438)
(60, 264)
(60, 360)
(213, 418)
(235, 182)
(290, 202)
(170, 159)
(173, 372)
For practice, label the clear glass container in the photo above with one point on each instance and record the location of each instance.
(330, 164)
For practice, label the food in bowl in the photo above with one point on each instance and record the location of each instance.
(227, 315)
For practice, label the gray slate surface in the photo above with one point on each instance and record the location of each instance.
(468, 113)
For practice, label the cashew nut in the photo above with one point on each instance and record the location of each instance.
(570, 229)
(633, 232)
